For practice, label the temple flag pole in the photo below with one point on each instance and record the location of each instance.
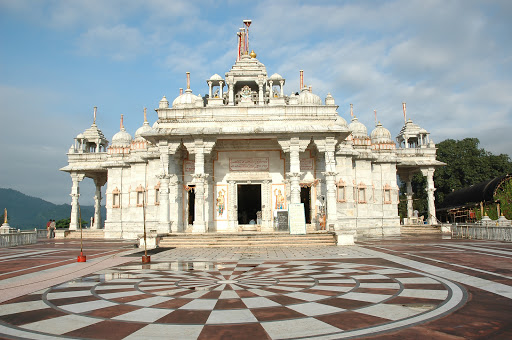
(81, 257)
(247, 23)
(375, 112)
(405, 116)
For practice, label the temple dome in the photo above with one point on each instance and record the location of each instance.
(187, 100)
(381, 135)
(215, 77)
(122, 139)
(276, 77)
(308, 98)
(358, 129)
(143, 129)
(93, 134)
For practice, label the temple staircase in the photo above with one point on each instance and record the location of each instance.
(420, 229)
(247, 240)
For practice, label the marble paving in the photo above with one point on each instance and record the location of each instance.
(397, 288)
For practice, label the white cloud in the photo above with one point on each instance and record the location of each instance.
(119, 42)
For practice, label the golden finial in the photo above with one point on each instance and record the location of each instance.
(5, 215)
(253, 55)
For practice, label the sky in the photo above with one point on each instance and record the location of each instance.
(450, 61)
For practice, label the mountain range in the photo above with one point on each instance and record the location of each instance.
(27, 212)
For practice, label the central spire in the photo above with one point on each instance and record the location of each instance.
(243, 39)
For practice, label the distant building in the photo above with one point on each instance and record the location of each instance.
(245, 151)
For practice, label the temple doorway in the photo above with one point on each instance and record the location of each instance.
(249, 202)
(191, 204)
(305, 197)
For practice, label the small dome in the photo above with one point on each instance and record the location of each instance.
(122, 139)
(143, 129)
(308, 98)
(329, 100)
(381, 135)
(80, 136)
(187, 100)
(164, 103)
(357, 128)
(276, 77)
(340, 121)
(215, 77)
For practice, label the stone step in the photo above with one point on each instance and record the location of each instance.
(250, 240)
(87, 233)
(427, 229)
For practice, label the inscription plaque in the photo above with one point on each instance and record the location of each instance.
(297, 219)
(249, 164)
(282, 220)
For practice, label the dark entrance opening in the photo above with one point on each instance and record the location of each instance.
(249, 202)
(305, 197)
(191, 204)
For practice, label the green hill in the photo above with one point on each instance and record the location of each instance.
(26, 212)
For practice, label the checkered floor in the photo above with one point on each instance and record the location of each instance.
(255, 299)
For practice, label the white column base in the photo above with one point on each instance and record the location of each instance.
(345, 239)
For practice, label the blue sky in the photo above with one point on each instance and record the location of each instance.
(451, 61)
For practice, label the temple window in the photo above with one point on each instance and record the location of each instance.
(387, 194)
(157, 194)
(341, 191)
(116, 198)
(140, 195)
(361, 193)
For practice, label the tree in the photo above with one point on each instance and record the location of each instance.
(466, 164)
(64, 223)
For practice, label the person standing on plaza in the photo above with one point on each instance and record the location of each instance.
(52, 229)
(48, 230)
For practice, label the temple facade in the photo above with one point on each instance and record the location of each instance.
(231, 160)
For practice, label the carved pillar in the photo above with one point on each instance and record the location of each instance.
(429, 173)
(174, 206)
(232, 211)
(75, 193)
(260, 90)
(409, 195)
(330, 180)
(209, 89)
(266, 210)
(221, 87)
(164, 218)
(163, 148)
(175, 188)
(199, 181)
(231, 93)
(281, 82)
(294, 174)
(98, 182)
(199, 206)
(329, 148)
(164, 201)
